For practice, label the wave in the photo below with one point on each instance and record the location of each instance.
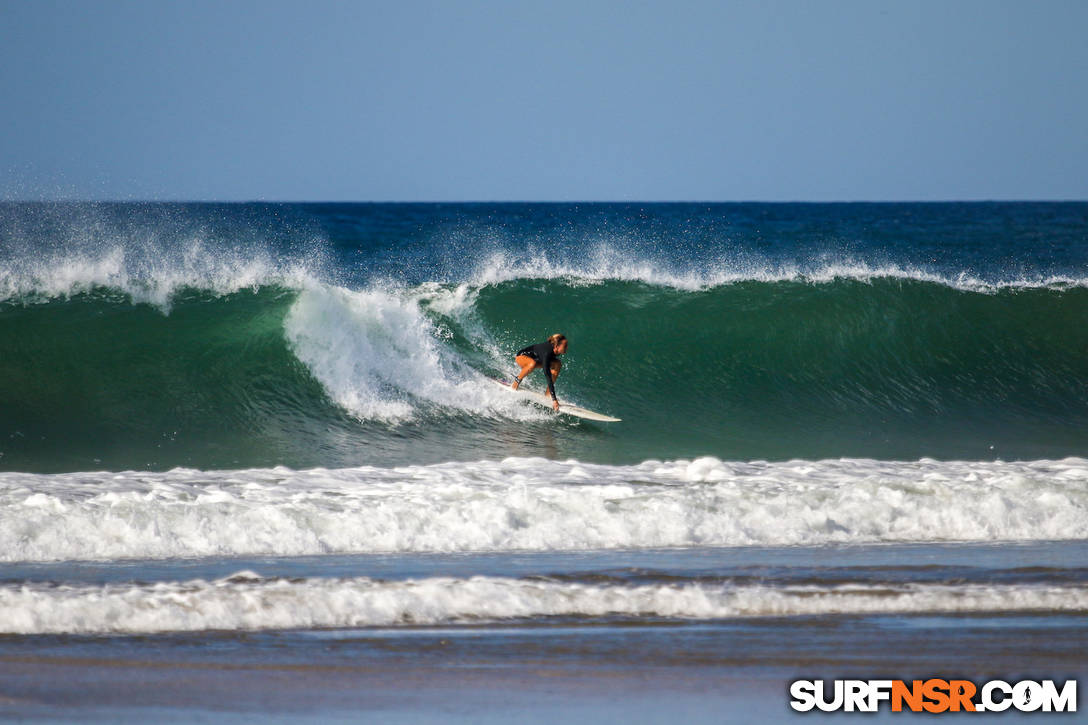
(245, 601)
(535, 504)
(314, 374)
(248, 336)
(212, 336)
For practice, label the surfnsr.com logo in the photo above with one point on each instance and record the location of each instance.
(933, 695)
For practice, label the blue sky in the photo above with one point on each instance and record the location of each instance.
(459, 100)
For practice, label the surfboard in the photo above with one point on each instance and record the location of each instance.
(544, 400)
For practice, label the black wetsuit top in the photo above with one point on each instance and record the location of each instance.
(543, 353)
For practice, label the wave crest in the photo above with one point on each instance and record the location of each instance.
(246, 602)
(534, 504)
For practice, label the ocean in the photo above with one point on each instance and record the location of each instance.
(252, 467)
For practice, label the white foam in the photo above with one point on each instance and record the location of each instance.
(535, 504)
(606, 263)
(247, 602)
(377, 354)
(147, 276)
(149, 252)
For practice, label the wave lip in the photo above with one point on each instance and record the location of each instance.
(152, 277)
(535, 504)
(247, 602)
(608, 264)
(152, 251)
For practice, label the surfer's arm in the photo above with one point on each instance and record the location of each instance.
(547, 368)
(551, 388)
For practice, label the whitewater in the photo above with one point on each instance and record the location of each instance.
(535, 505)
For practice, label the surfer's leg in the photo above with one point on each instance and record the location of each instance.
(527, 365)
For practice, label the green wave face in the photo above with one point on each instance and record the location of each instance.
(97, 381)
(886, 368)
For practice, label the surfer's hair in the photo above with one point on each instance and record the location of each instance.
(556, 339)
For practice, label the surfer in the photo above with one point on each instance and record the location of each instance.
(543, 355)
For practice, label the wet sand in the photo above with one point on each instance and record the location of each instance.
(725, 671)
